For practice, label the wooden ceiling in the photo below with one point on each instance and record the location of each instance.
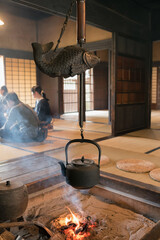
(134, 11)
(21, 10)
(147, 4)
(20, 6)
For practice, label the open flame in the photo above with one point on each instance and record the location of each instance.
(74, 227)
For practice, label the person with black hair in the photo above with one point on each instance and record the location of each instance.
(22, 123)
(3, 91)
(42, 107)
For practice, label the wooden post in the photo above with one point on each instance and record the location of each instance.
(81, 22)
(81, 37)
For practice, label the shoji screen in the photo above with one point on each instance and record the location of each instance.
(20, 77)
(154, 85)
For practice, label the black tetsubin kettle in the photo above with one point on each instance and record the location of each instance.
(81, 173)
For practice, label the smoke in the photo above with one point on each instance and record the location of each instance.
(75, 197)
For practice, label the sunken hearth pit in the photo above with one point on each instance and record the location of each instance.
(71, 214)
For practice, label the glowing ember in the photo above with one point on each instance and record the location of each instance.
(74, 227)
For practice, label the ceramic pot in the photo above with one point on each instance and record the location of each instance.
(13, 200)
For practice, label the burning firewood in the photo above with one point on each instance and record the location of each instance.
(25, 230)
(73, 227)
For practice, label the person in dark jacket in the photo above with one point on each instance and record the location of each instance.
(22, 123)
(42, 107)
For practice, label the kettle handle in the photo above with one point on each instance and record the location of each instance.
(83, 141)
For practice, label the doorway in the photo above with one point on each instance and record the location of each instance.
(97, 95)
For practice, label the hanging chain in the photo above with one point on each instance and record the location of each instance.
(81, 130)
(65, 24)
(58, 42)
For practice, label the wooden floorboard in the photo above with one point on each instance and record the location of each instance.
(35, 175)
(26, 165)
(31, 170)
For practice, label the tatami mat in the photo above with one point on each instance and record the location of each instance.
(100, 116)
(155, 119)
(146, 133)
(135, 144)
(155, 153)
(72, 134)
(37, 147)
(114, 155)
(88, 126)
(8, 153)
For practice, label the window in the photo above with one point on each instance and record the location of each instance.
(70, 92)
(20, 77)
(2, 79)
(89, 89)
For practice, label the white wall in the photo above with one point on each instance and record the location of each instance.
(49, 30)
(17, 33)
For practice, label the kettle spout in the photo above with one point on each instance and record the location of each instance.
(63, 168)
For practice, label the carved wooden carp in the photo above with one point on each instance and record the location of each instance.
(69, 61)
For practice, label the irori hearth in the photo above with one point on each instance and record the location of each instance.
(99, 219)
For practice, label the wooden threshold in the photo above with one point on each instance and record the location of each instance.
(44, 183)
(138, 197)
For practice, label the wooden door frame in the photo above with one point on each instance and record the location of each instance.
(113, 82)
(148, 70)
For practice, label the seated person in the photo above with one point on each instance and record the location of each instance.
(22, 123)
(3, 109)
(3, 92)
(42, 107)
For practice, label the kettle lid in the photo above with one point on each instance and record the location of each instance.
(82, 162)
(10, 185)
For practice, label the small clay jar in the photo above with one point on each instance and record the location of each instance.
(13, 200)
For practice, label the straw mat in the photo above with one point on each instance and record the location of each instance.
(155, 174)
(135, 165)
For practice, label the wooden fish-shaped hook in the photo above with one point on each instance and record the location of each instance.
(70, 61)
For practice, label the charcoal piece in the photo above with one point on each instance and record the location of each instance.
(88, 218)
(85, 228)
(71, 225)
(79, 230)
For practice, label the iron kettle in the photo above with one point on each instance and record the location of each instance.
(81, 173)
